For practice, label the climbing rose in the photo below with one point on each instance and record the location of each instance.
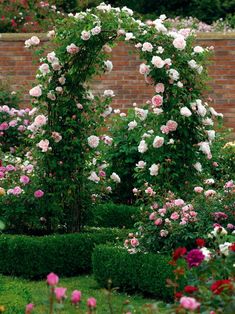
(158, 62)
(85, 35)
(190, 289)
(44, 145)
(179, 43)
(147, 47)
(159, 88)
(115, 177)
(172, 125)
(158, 141)
(184, 111)
(144, 69)
(72, 49)
(35, 91)
(157, 100)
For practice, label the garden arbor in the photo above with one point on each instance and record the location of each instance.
(68, 117)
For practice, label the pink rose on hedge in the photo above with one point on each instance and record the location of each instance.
(56, 136)
(38, 193)
(147, 47)
(152, 216)
(144, 69)
(164, 129)
(175, 216)
(198, 189)
(29, 308)
(172, 125)
(24, 179)
(85, 35)
(158, 222)
(179, 43)
(189, 303)
(179, 202)
(72, 49)
(76, 296)
(60, 293)
(159, 88)
(35, 91)
(158, 141)
(91, 302)
(52, 279)
(4, 126)
(157, 100)
(40, 120)
(134, 242)
(158, 62)
(44, 145)
(17, 190)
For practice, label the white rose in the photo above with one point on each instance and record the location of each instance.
(115, 177)
(184, 111)
(198, 49)
(154, 170)
(224, 248)
(93, 177)
(109, 65)
(207, 253)
(143, 147)
(158, 62)
(132, 125)
(93, 141)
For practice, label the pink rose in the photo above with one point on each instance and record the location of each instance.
(24, 179)
(38, 193)
(172, 125)
(159, 88)
(179, 202)
(189, 303)
(179, 43)
(163, 233)
(175, 216)
(60, 293)
(17, 190)
(152, 216)
(157, 100)
(44, 145)
(144, 69)
(93, 141)
(34, 40)
(44, 68)
(158, 141)
(209, 193)
(134, 242)
(56, 136)
(198, 189)
(52, 279)
(91, 302)
(35, 91)
(162, 211)
(85, 35)
(158, 222)
(158, 62)
(72, 49)
(147, 47)
(29, 308)
(164, 129)
(76, 296)
(4, 126)
(40, 120)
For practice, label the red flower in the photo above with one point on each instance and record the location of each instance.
(232, 247)
(13, 23)
(180, 251)
(178, 295)
(200, 242)
(190, 289)
(220, 285)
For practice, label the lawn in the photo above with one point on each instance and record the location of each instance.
(15, 293)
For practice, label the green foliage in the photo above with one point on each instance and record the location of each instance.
(146, 273)
(113, 215)
(35, 257)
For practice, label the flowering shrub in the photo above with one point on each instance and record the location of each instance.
(209, 273)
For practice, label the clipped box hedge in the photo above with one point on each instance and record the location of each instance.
(146, 273)
(66, 255)
(110, 215)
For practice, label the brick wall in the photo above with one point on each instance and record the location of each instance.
(16, 67)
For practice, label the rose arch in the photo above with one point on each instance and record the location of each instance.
(68, 117)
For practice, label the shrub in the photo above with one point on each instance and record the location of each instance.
(34, 257)
(145, 273)
(113, 215)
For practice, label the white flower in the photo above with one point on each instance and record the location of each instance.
(179, 42)
(154, 170)
(141, 164)
(129, 36)
(109, 65)
(219, 230)
(224, 248)
(141, 113)
(207, 253)
(209, 181)
(198, 49)
(85, 35)
(180, 84)
(132, 125)
(173, 74)
(96, 30)
(128, 11)
(214, 113)
(147, 47)
(207, 121)
(93, 177)
(198, 166)
(93, 141)
(184, 111)
(44, 69)
(143, 147)
(205, 148)
(115, 177)
(109, 93)
(211, 135)
(144, 69)
(157, 111)
(201, 110)
(193, 64)
(51, 34)
(157, 62)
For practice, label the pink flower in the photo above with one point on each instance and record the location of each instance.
(159, 88)
(91, 302)
(93, 141)
(35, 91)
(76, 296)
(44, 69)
(162, 211)
(158, 222)
(189, 303)
(229, 184)
(56, 136)
(34, 40)
(29, 308)
(144, 69)
(198, 189)
(209, 193)
(60, 293)
(158, 141)
(175, 216)
(72, 49)
(52, 279)
(157, 62)
(44, 145)
(38, 193)
(172, 125)
(40, 120)
(164, 129)
(10, 168)
(147, 47)
(179, 42)
(179, 202)
(230, 226)
(149, 191)
(4, 126)
(152, 216)
(85, 35)
(134, 242)
(24, 179)
(157, 100)
(17, 190)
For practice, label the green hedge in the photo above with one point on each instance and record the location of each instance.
(66, 255)
(146, 273)
(112, 215)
